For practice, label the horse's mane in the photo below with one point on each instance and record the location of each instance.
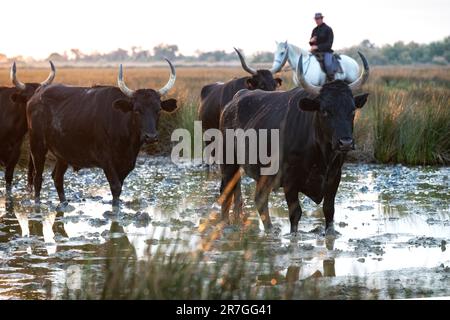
(297, 50)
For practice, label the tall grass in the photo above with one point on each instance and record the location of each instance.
(407, 122)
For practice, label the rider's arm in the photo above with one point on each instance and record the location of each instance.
(311, 42)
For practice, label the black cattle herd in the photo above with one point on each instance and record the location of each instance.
(106, 126)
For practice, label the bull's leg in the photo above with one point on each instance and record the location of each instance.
(9, 173)
(295, 211)
(208, 160)
(30, 175)
(230, 178)
(123, 176)
(58, 178)
(38, 152)
(114, 184)
(328, 202)
(9, 170)
(262, 201)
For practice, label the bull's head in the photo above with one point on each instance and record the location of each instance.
(146, 105)
(262, 79)
(335, 104)
(26, 90)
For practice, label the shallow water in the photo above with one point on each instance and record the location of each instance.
(393, 224)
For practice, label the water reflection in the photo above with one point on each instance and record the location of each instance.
(43, 226)
(382, 215)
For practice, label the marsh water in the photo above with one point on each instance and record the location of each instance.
(393, 225)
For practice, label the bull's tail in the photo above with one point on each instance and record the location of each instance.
(30, 176)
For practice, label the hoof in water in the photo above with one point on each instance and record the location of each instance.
(116, 204)
(64, 207)
(293, 236)
(330, 232)
(274, 230)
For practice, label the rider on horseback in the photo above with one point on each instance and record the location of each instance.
(321, 43)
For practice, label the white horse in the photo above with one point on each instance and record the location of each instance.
(313, 72)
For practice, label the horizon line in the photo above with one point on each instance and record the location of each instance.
(38, 58)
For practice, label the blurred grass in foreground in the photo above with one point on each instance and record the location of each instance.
(246, 271)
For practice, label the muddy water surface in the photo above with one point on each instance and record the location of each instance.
(393, 224)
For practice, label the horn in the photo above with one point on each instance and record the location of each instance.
(244, 64)
(122, 86)
(51, 76)
(278, 66)
(19, 85)
(311, 89)
(364, 74)
(171, 81)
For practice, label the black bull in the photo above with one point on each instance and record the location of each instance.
(102, 127)
(215, 96)
(13, 122)
(13, 127)
(315, 134)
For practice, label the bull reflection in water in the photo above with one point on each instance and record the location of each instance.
(16, 222)
(212, 228)
(295, 273)
(49, 225)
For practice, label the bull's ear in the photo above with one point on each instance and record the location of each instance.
(307, 104)
(123, 105)
(279, 81)
(17, 98)
(360, 100)
(251, 84)
(169, 105)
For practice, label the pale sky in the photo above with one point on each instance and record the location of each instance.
(37, 28)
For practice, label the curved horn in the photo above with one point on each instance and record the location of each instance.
(122, 86)
(244, 64)
(19, 85)
(51, 76)
(364, 74)
(311, 89)
(171, 81)
(278, 66)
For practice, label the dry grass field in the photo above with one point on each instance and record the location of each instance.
(406, 120)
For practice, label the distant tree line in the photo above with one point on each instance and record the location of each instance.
(399, 53)
(138, 54)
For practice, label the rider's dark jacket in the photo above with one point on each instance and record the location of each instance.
(324, 36)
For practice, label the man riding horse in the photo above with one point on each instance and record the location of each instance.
(321, 43)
